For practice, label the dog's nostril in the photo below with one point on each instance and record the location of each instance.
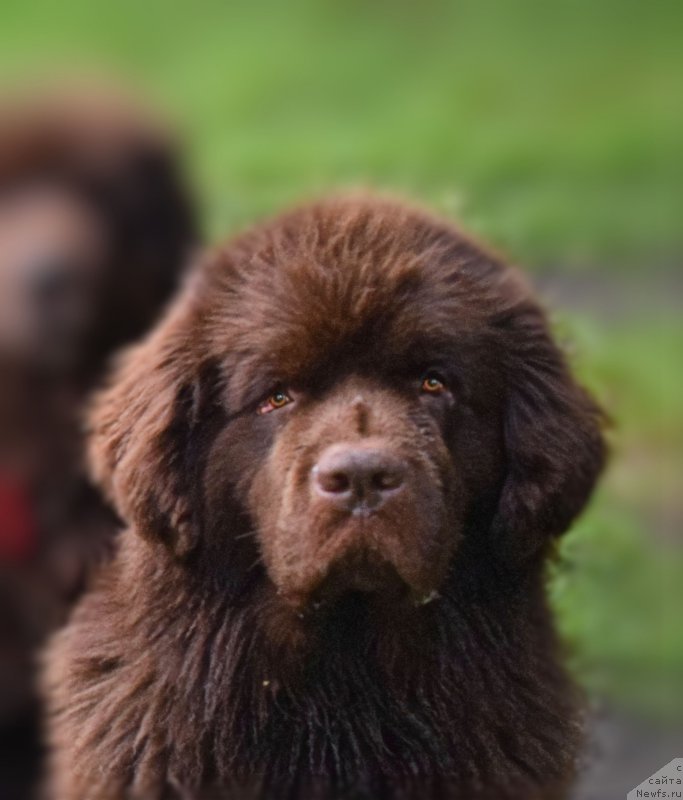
(335, 482)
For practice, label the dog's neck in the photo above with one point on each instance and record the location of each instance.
(473, 697)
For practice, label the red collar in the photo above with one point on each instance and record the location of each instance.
(18, 530)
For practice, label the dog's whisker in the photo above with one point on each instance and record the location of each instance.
(255, 564)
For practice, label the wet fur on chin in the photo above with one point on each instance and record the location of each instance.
(184, 673)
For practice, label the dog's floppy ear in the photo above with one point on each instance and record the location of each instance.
(553, 438)
(141, 432)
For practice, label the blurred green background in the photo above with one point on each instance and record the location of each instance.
(553, 129)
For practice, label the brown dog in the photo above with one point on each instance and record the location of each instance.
(343, 457)
(95, 226)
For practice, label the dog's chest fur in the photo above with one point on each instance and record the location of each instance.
(181, 700)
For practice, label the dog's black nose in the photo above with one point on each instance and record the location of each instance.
(358, 478)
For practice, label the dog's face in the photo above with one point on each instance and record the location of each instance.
(359, 489)
(95, 226)
(354, 477)
(358, 460)
(52, 250)
(338, 402)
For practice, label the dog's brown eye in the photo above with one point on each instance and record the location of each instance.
(277, 399)
(433, 383)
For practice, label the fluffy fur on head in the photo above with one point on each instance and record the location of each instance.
(343, 458)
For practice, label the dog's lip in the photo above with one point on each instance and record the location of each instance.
(370, 576)
(317, 608)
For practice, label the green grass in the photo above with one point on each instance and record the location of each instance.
(617, 590)
(553, 129)
(618, 587)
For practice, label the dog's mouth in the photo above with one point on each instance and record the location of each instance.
(359, 581)
(319, 559)
(358, 573)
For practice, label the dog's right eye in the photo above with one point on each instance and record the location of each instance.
(276, 400)
(433, 382)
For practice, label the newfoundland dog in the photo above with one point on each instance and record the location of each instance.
(344, 458)
(96, 224)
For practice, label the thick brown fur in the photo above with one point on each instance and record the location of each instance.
(252, 638)
(91, 195)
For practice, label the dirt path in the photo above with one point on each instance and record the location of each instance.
(622, 753)
(612, 295)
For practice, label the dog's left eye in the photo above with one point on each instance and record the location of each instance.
(276, 400)
(433, 383)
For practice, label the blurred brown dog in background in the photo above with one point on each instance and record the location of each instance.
(96, 224)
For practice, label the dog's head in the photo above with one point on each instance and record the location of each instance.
(95, 224)
(345, 398)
